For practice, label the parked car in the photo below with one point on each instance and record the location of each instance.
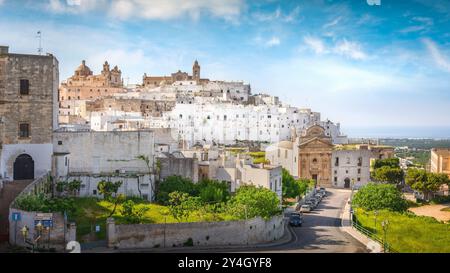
(319, 196)
(313, 205)
(296, 219)
(305, 208)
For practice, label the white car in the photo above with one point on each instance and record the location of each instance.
(305, 208)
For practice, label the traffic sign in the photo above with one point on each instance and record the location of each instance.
(16, 216)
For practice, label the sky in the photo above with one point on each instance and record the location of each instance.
(363, 63)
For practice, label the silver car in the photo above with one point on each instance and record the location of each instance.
(305, 208)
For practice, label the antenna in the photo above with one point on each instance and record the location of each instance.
(39, 36)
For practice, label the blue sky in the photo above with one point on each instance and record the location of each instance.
(359, 64)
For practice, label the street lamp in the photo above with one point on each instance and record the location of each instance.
(375, 213)
(24, 231)
(385, 225)
(39, 228)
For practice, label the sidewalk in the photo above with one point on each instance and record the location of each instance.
(287, 237)
(372, 245)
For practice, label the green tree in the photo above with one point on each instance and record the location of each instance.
(291, 187)
(250, 201)
(132, 213)
(175, 183)
(212, 191)
(177, 201)
(393, 175)
(425, 182)
(74, 187)
(380, 196)
(390, 162)
(108, 188)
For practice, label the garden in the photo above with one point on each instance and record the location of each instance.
(374, 204)
(177, 200)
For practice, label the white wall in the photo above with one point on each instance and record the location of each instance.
(41, 154)
(105, 152)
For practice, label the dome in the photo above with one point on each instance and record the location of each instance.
(83, 70)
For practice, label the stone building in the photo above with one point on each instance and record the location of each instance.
(84, 85)
(440, 160)
(154, 81)
(440, 163)
(313, 156)
(28, 113)
(112, 156)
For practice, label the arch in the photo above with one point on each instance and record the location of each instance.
(23, 167)
(347, 182)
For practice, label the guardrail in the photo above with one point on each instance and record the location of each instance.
(386, 247)
(42, 184)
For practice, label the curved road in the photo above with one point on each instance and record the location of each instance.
(320, 232)
(321, 229)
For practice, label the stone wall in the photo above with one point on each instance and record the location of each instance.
(252, 231)
(61, 232)
(103, 152)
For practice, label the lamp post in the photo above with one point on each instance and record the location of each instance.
(48, 238)
(385, 225)
(375, 213)
(39, 228)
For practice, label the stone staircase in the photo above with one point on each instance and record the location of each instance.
(8, 193)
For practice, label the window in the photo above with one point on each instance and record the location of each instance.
(336, 163)
(285, 153)
(59, 142)
(348, 160)
(65, 161)
(359, 171)
(359, 179)
(24, 130)
(314, 160)
(24, 87)
(346, 171)
(94, 192)
(335, 179)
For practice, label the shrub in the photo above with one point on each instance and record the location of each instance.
(389, 162)
(251, 201)
(211, 191)
(175, 183)
(380, 196)
(41, 203)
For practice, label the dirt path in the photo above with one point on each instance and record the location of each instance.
(433, 211)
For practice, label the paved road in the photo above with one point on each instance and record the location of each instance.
(320, 232)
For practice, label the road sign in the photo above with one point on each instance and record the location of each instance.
(43, 216)
(97, 228)
(16, 216)
(45, 223)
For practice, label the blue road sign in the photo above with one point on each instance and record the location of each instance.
(16, 216)
(45, 223)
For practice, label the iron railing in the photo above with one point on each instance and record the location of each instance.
(374, 236)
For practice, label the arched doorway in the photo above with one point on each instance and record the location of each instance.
(347, 182)
(23, 167)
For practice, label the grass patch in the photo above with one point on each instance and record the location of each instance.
(445, 209)
(91, 211)
(409, 233)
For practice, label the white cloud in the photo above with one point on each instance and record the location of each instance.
(151, 9)
(344, 48)
(274, 41)
(424, 23)
(350, 49)
(316, 44)
(277, 15)
(333, 22)
(436, 54)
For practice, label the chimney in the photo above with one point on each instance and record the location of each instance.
(4, 50)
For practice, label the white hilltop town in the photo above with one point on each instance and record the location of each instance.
(92, 130)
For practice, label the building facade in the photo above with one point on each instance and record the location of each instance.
(28, 113)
